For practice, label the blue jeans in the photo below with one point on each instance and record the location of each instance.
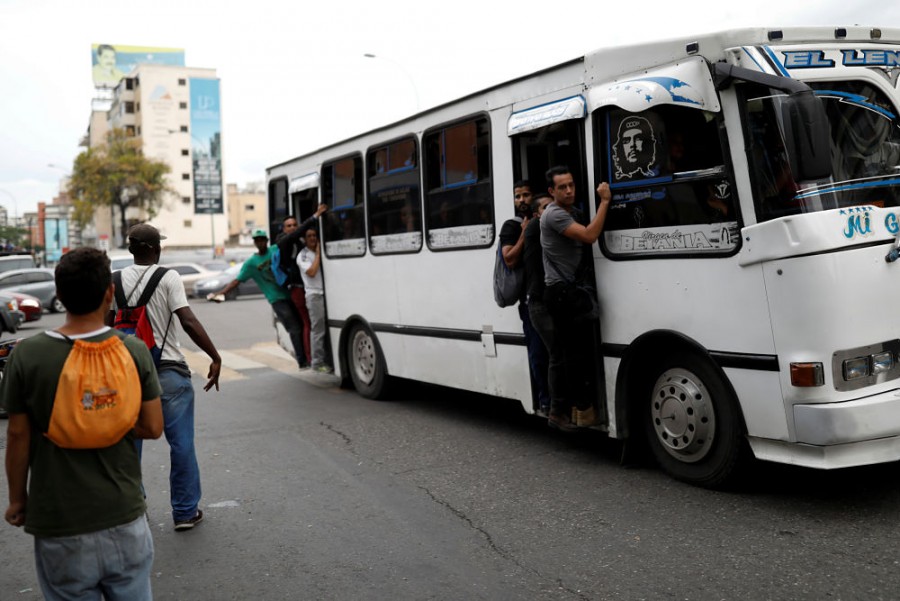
(538, 359)
(178, 415)
(115, 563)
(287, 315)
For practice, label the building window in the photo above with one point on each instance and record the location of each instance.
(185, 152)
(129, 131)
(186, 199)
(182, 82)
(129, 106)
(249, 207)
(187, 223)
(184, 128)
(250, 224)
(129, 83)
(182, 105)
(185, 176)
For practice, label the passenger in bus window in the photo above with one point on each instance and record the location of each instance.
(310, 262)
(570, 305)
(512, 246)
(533, 259)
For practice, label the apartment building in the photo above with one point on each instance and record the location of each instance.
(173, 112)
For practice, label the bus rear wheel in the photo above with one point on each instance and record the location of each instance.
(693, 423)
(366, 363)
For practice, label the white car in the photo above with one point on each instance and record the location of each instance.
(190, 273)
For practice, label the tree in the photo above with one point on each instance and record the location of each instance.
(117, 174)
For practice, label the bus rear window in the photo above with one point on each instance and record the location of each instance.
(459, 199)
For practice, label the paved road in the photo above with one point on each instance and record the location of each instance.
(312, 492)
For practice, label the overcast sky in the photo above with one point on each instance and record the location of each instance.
(293, 74)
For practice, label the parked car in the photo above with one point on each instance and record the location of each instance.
(36, 282)
(190, 273)
(220, 280)
(216, 265)
(120, 261)
(29, 305)
(16, 261)
(10, 315)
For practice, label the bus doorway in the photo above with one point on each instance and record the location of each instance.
(534, 152)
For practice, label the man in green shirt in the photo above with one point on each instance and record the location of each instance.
(79, 502)
(259, 268)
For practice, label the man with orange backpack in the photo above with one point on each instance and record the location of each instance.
(167, 300)
(78, 398)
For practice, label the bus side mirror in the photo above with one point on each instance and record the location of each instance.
(807, 136)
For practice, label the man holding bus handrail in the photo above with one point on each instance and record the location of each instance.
(563, 240)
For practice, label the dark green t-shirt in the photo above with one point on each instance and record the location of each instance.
(73, 491)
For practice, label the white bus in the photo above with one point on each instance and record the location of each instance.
(747, 306)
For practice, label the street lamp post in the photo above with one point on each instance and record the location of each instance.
(402, 69)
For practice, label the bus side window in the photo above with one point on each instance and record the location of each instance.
(459, 200)
(343, 228)
(672, 193)
(394, 201)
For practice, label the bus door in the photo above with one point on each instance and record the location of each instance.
(304, 196)
(544, 136)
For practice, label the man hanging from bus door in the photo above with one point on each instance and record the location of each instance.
(533, 262)
(562, 241)
(290, 242)
(512, 245)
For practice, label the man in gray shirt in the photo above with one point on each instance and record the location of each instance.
(562, 241)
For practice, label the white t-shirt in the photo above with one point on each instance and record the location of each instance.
(312, 284)
(168, 298)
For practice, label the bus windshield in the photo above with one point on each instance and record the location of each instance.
(865, 151)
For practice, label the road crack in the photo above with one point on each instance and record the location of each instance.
(496, 548)
(347, 440)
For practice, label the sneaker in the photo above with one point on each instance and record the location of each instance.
(561, 422)
(188, 524)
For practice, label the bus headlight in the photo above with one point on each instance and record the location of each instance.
(866, 365)
(857, 368)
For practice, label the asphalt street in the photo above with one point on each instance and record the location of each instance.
(312, 492)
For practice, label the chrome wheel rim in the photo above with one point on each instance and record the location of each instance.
(363, 357)
(682, 414)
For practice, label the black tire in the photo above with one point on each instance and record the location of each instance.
(366, 363)
(692, 422)
(56, 306)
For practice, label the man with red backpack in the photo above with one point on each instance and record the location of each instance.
(166, 301)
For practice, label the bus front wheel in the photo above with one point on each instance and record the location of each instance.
(693, 423)
(366, 364)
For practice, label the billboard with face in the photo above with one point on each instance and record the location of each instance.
(111, 63)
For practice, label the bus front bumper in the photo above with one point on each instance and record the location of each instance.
(836, 435)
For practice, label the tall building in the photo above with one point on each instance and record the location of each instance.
(246, 211)
(173, 112)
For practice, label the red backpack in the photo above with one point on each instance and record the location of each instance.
(134, 319)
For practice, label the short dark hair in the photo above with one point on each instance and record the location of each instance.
(554, 171)
(103, 48)
(522, 183)
(286, 217)
(82, 278)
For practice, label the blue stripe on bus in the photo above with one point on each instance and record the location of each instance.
(841, 188)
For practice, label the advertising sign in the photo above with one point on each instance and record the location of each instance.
(206, 134)
(112, 62)
(56, 238)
